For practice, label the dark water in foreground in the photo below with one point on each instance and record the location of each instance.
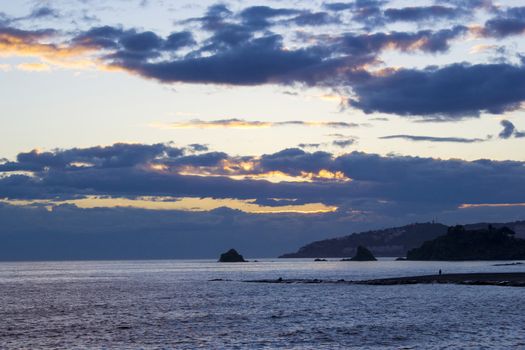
(171, 304)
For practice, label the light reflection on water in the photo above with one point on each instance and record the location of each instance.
(171, 304)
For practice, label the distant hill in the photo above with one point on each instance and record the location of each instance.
(458, 244)
(391, 242)
(388, 242)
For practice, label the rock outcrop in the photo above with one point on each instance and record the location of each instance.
(231, 256)
(363, 254)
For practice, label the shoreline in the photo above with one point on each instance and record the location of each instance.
(506, 279)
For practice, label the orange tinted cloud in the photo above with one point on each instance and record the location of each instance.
(235, 123)
(183, 204)
(34, 67)
(25, 44)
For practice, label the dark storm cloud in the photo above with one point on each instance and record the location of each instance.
(433, 138)
(368, 12)
(468, 4)
(28, 36)
(453, 91)
(441, 181)
(355, 5)
(153, 170)
(374, 14)
(239, 59)
(125, 42)
(44, 12)
(213, 18)
(502, 27)
(104, 37)
(424, 40)
(257, 61)
(509, 130)
(421, 13)
(38, 13)
(241, 48)
(209, 159)
(338, 6)
(315, 19)
(179, 40)
(506, 23)
(145, 41)
(258, 17)
(293, 161)
(115, 156)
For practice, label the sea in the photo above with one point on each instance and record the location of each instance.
(173, 304)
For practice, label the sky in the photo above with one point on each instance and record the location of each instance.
(261, 125)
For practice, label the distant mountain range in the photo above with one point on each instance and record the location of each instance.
(392, 242)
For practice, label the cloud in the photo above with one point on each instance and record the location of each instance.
(368, 189)
(368, 12)
(115, 156)
(25, 36)
(506, 23)
(424, 40)
(373, 14)
(236, 54)
(258, 61)
(309, 145)
(131, 44)
(469, 4)
(315, 19)
(34, 67)
(509, 130)
(503, 27)
(39, 44)
(197, 147)
(178, 40)
(434, 139)
(43, 12)
(245, 61)
(244, 48)
(244, 124)
(452, 92)
(127, 170)
(343, 143)
(258, 17)
(422, 13)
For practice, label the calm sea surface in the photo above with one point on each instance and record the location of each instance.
(172, 305)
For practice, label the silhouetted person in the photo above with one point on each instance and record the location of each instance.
(440, 272)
